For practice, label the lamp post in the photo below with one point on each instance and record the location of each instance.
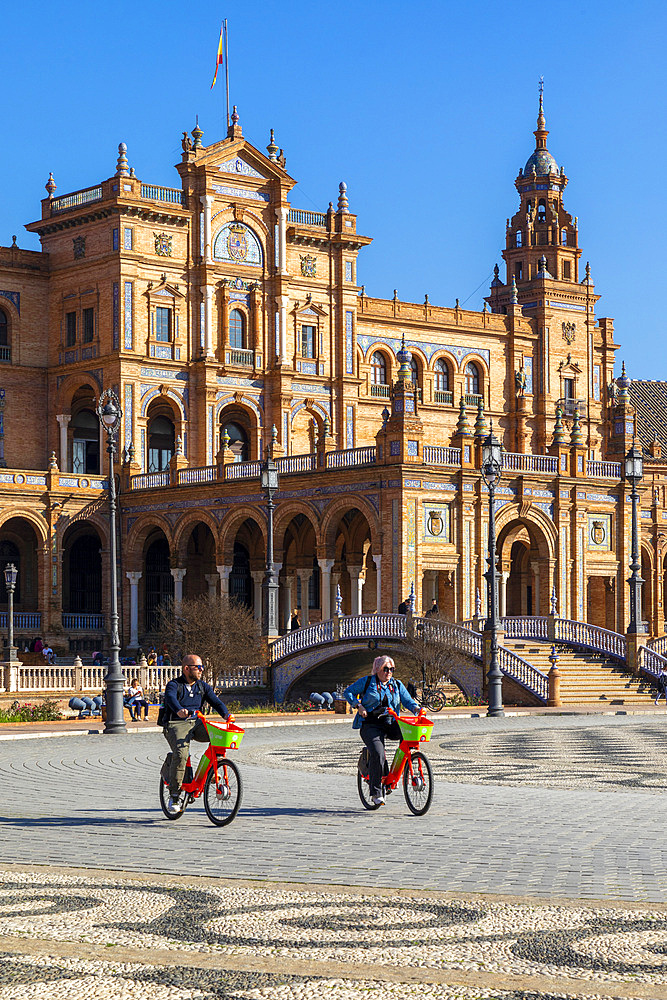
(11, 576)
(110, 413)
(491, 465)
(634, 472)
(269, 482)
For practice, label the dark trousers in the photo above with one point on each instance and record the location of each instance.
(178, 735)
(374, 736)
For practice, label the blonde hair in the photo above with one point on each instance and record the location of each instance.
(379, 662)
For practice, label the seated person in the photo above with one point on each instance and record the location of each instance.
(136, 700)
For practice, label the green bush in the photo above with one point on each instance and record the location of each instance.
(43, 711)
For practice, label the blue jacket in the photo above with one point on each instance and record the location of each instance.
(394, 689)
(191, 700)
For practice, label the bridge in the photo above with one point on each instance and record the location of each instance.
(297, 653)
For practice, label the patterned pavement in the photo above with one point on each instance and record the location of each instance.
(538, 872)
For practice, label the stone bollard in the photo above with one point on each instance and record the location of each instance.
(553, 699)
(142, 664)
(78, 673)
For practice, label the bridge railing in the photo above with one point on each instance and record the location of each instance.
(658, 645)
(568, 631)
(302, 638)
(387, 626)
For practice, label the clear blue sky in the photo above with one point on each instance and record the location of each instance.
(426, 110)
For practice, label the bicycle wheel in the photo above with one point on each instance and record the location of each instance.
(435, 701)
(222, 801)
(418, 785)
(364, 789)
(164, 799)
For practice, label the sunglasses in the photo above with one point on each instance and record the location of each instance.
(387, 670)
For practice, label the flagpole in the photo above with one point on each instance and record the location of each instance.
(227, 72)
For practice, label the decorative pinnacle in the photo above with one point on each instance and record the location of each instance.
(541, 131)
(514, 295)
(50, 185)
(343, 205)
(197, 134)
(235, 116)
(272, 149)
(121, 164)
(559, 430)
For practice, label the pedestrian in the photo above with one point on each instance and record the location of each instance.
(433, 611)
(662, 684)
(183, 698)
(38, 645)
(294, 620)
(403, 608)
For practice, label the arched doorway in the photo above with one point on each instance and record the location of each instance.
(85, 443)
(200, 563)
(82, 572)
(354, 567)
(523, 552)
(161, 443)
(234, 426)
(240, 579)
(159, 583)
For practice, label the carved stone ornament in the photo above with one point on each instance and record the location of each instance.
(569, 332)
(162, 244)
(308, 266)
(79, 244)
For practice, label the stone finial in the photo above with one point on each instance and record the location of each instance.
(50, 185)
(225, 440)
(553, 603)
(272, 149)
(53, 461)
(131, 453)
(559, 430)
(404, 358)
(463, 427)
(481, 429)
(179, 444)
(588, 280)
(234, 116)
(542, 266)
(478, 605)
(132, 173)
(385, 416)
(343, 205)
(411, 599)
(121, 164)
(78, 662)
(339, 602)
(196, 135)
(326, 427)
(577, 435)
(623, 387)
(514, 295)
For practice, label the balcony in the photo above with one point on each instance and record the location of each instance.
(245, 359)
(76, 199)
(302, 218)
(443, 396)
(568, 406)
(75, 622)
(380, 390)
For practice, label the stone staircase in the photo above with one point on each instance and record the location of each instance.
(586, 678)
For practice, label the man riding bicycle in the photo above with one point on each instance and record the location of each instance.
(372, 696)
(183, 698)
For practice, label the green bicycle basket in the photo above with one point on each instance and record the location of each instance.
(415, 729)
(224, 736)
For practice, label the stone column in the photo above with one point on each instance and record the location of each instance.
(326, 565)
(257, 578)
(212, 581)
(536, 589)
(304, 575)
(282, 238)
(134, 608)
(335, 582)
(502, 596)
(288, 587)
(178, 575)
(356, 589)
(207, 292)
(283, 301)
(64, 419)
(207, 202)
(224, 573)
(378, 583)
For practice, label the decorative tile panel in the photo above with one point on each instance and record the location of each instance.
(128, 315)
(237, 165)
(349, 342)
(236, 192)
(528, 369)
(349, 427)
(14, 297)
(128, 413)
(429, 349)
(238, 244)
(115, 317)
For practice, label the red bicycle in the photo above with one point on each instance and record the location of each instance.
(217, 778)
(408, 761)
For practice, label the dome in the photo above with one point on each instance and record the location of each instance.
(543, 162)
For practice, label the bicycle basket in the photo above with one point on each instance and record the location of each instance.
(226, 737)
(415, 729)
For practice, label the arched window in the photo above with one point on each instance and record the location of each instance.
(238, 440)
(441, 376)
(541, 210)
(471, 373)
(563, 237)
(237, 329)
(161, 441)
(3, 329)
(85, 443)
(379, 368)
(519, 238)
(85, 575)
(414, 369)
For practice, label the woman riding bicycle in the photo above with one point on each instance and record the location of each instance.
(372, 696)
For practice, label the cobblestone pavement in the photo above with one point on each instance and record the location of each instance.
(539, 871)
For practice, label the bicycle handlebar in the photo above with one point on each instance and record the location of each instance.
(200, 715)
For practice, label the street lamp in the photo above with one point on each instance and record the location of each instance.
(491, 465)
(11, 576)
(269, 482)
(110, 413)
(634, 472)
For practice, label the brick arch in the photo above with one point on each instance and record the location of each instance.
(448, 358)
(98, 519)
(476, 359)
(137, 535)
(70, 385)
(230, 529)
(333, 516)
(38, 523)
(286, 512)
(169, 395)
(540, 528)
(184, 528)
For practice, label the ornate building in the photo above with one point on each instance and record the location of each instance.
(225, 319)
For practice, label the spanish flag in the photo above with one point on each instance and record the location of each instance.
(218, 58)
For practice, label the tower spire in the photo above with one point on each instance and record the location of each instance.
(541, 132)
